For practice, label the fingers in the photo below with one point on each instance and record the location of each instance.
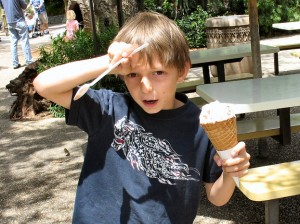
(118, 50)
(121, 50)
(239, 163)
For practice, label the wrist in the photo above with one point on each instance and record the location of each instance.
(228, 178)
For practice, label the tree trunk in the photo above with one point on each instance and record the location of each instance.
(120, 13)
(28, 103)
(140, 5)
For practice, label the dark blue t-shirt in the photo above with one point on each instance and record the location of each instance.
(140, 167)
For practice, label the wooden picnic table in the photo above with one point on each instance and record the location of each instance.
(223, 55)
(287, 26)
(255, 95)
(288, 43)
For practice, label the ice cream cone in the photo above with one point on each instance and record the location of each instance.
(219, 123)
(222, 134)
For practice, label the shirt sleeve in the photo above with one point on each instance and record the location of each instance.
(89, 111)
(211, 170)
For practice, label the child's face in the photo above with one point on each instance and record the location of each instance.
(153, 88)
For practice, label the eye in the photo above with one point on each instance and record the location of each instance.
(132, 75)
(158, 73)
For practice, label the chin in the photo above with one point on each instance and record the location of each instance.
(150, 110)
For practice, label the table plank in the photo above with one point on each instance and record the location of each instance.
(274, 181)
(287, 26)
(223, 55)
(253, 95)
(226, 53)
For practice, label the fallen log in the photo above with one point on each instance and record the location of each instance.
(28, 103)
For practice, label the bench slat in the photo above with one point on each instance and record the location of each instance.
(193, 80)
(272, 182)
(264, 127)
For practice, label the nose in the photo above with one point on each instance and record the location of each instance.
(146, 85)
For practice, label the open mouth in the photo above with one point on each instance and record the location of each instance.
(149, 102)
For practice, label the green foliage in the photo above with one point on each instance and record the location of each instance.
(172, 8)
(62, 52)
(55, 7)
(231, 7)
(57, 111)
(150, 5)
(105, 36)
(193, 25)
(271, 11)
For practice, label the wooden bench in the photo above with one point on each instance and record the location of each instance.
(269, 184)
(286, 43)
(282, 47)
(194, 79)
(264, 127)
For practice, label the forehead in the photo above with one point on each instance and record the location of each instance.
(144, 60)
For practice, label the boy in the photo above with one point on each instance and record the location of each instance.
(147, 157)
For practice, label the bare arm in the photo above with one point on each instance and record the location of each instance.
(56, 84)
(220, 192)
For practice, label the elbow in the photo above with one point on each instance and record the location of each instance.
(39, 87)
(218, 202)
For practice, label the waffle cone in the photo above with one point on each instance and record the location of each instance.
(222, 134)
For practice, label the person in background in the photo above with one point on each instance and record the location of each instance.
(40, 10)
(72, 25)
(1, 7)
(17, 29)
(147, 157)
(30, 19)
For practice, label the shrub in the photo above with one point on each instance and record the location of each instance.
(193, 26)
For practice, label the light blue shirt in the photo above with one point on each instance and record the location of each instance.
(37, 3)
(14, 10)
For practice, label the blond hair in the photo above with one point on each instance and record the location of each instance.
(165, 39)
(70, 15)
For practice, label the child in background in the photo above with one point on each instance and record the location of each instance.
(147, 157)
(31, 21)
(72, 25)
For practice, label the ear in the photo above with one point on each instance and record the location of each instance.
(184, 73)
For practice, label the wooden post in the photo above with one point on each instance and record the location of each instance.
(263, 149)
(120, 13)
(255, 39)
(96, 47)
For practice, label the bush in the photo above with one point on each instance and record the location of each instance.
(62, 52)
(193, 26)
(55, 7)
(270, 11)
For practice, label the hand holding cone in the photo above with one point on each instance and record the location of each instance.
(219, 123)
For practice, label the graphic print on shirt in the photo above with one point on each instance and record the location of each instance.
(152, 155)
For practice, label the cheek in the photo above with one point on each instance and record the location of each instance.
(131, 83)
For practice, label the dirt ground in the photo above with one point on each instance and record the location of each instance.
(39, 178)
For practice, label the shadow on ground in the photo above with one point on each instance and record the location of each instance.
(38, 179)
